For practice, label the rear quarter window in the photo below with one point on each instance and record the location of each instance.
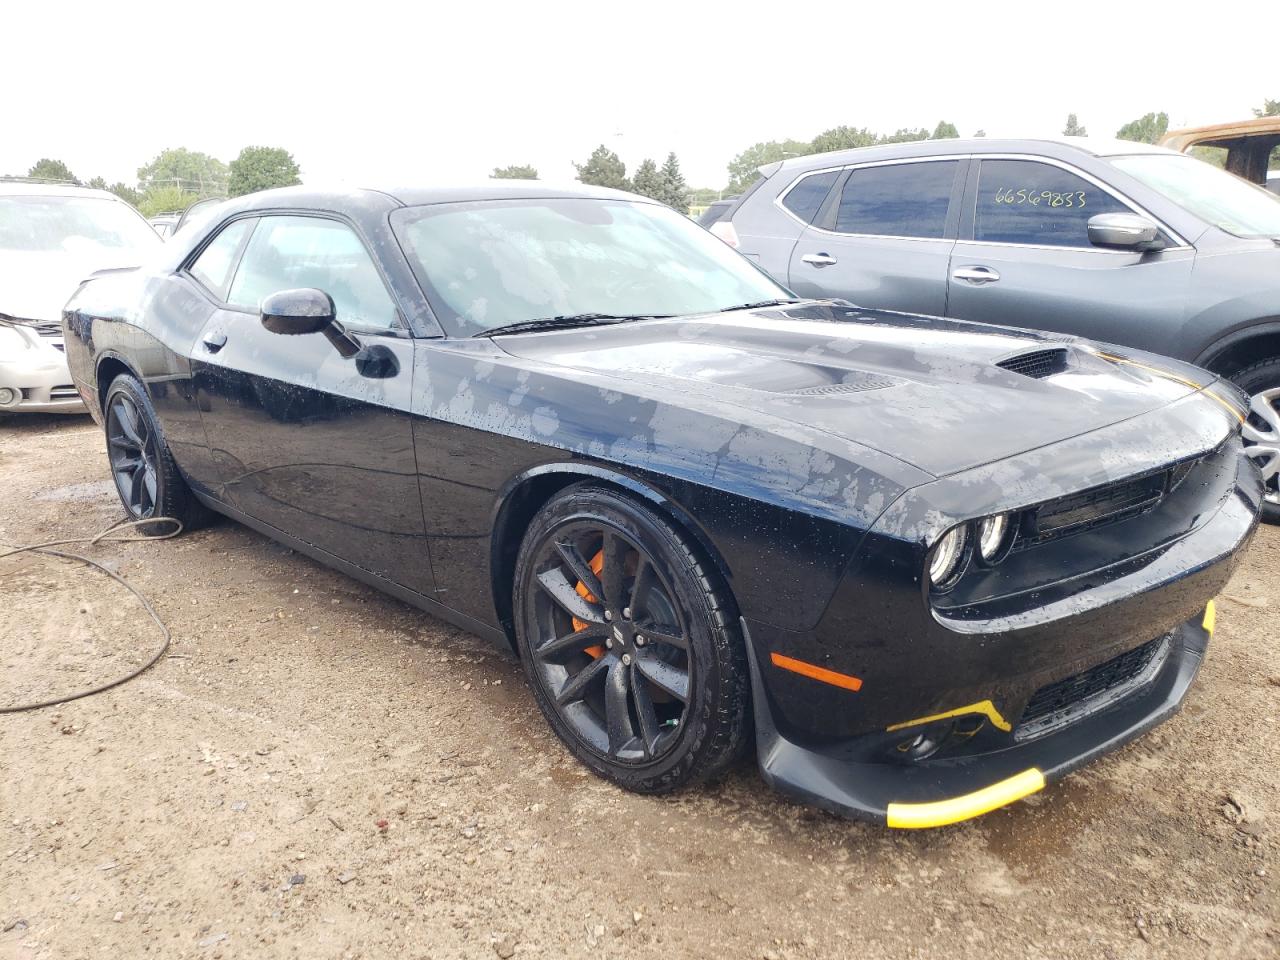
(805, 198)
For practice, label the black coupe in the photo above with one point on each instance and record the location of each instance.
(928, 565)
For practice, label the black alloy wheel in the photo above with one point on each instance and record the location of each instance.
(131, 450)
(627, 638)
(142, 466)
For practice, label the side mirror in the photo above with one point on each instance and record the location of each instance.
(294, 312)
(1124, 231)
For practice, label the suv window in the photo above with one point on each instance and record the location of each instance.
(214, 264)
(287, 252)
(807, 195)
(1022, 201)
(898, 199)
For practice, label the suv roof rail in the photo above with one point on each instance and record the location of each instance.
(9, 178)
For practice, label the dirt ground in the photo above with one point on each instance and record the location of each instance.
(320, 771)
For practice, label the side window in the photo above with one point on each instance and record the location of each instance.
(807, 195)
(213, 265)
(289, 252)
(1022, 201)
(898, 199)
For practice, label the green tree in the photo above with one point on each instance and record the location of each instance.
(675, 192)
(1074, 127)
(701, 196)
(1146, 129)
(647, 181)
(165, 198)
(121, 190)
(47, 169)
(516, 171)
(604, 169)
(188, 170)
(1269, 108)
(126, 193)
(261, 168)
(842, 138)
(945, 131)
(744, 168)
(906, 135)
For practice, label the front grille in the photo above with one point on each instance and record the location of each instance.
(1091, 690)
(1038, 364)
(1100, 505)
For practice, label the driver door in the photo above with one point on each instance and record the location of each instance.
(312, 443)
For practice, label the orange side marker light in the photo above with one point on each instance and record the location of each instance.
(815, 672)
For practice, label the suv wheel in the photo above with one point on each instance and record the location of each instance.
(1262, 429)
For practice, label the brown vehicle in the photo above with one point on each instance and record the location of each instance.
(1252, 147)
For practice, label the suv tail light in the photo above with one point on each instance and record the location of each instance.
(724, 230)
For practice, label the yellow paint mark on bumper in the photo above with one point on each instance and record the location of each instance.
(985, 707)
(916, 816)
(1210, 617)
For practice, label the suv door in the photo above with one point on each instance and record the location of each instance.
(305, 440)
(883, 237)
(1024, 259)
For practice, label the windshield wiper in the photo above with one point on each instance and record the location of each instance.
(759, 304)
(564, 321)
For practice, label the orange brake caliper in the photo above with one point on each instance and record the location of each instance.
(597, 564)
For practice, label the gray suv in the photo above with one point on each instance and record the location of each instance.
(1115, 241)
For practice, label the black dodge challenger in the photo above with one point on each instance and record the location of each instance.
(927, 565)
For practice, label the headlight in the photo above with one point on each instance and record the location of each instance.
(948, 557)
(993, 537)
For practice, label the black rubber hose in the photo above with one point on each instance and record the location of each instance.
(44, 548)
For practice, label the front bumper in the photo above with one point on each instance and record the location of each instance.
(36, 379)
(909, 714)
(940, 792)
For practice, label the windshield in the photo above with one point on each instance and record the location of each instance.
(1223, 200)
(70, 224)
(490, 263)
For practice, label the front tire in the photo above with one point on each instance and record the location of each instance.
(630, 641)
(145, 475)
(1262, 428)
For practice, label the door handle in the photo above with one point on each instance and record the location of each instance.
(214, 341)
(818, 259)
(975, 274)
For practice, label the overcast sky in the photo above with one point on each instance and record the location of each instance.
(396, 92)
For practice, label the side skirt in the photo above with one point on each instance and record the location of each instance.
(411, 597)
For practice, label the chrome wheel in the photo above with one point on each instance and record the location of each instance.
(610, 648)
(131, 451)
(1262, 439)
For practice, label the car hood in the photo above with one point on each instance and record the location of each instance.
(924, 390)
(34, 286)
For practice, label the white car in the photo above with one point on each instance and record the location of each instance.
(51, 238)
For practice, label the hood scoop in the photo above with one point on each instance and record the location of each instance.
(1037, 364)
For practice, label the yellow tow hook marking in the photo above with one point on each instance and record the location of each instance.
(916, 816)
(985, 707)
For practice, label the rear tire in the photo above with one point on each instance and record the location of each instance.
(146, 477)
(1262, 428)
(631, 642)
